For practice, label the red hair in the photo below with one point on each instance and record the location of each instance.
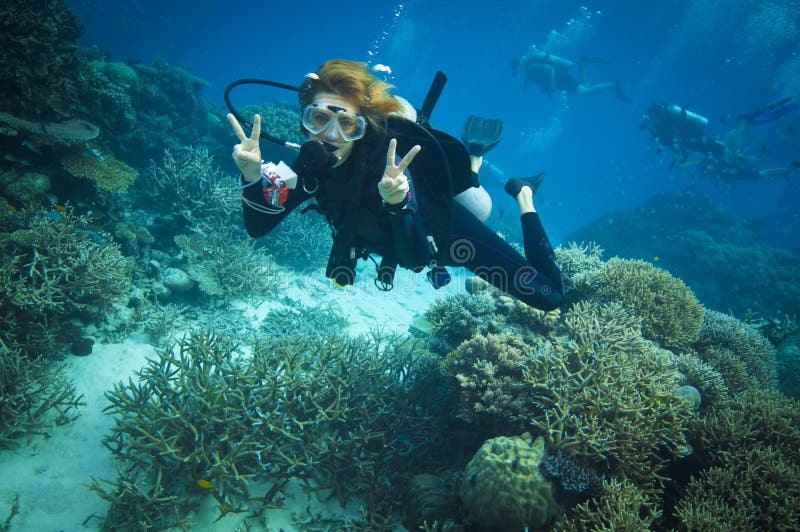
(354, 82)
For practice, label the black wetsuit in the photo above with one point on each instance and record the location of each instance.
(362, 225)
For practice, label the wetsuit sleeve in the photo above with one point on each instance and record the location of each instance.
(408, 233)
(259, 223)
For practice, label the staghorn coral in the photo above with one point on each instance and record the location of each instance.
(579, 263)
(188, 184)
(601, 391)
(705, 378)
(489, 370)
(754, 416)
(457, 318)
(225, 264)
(503, 488)
(734, 371)
(208, 418)
(752, 488)
(721, 331)
(33, 396)
(622, 506)
(105, 172)
(54, 268)
(670, 313)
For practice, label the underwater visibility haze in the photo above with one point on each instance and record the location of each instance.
(223, 381)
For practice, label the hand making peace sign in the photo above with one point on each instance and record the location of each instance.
(247, 154)
(394, 185)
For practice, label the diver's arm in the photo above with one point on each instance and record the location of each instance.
(257, 222)
(408, 233)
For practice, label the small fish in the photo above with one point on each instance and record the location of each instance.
(203, 483)
(59, 208)
(656, 258)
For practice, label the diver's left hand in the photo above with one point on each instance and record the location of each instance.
(393, 187)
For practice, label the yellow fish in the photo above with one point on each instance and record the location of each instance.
(656, 258)
(205, 484)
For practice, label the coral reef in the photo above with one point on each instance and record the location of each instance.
(55, 267)
(225, 264)
(205, 418)
(503, 488)
(623, 506)
(105, 172)
(752, 488)
(601, 391)
(457, 318)
(705, 379)
(188, 184)
(670, 313)
(752, 417)
(38, 58)
(33, 396)
(745, 342)
(579, 263)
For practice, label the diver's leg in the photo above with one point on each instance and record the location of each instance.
(536, 281)
(597, 87)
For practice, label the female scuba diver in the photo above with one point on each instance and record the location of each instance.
(403, 210)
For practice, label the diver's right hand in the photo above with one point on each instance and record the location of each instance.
(247, 154)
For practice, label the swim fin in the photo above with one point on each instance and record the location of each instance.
(481, 134)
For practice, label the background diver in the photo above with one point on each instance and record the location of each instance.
(402, 210)
(684, 133)
(553, 73)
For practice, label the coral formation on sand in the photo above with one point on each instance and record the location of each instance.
(55, 266)
(503, 488)
(208, 417)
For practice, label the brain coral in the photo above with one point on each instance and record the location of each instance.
(669, 311)
(503, 488)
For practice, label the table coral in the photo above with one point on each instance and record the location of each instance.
(106, 173)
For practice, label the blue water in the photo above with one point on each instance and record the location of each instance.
(717, 59)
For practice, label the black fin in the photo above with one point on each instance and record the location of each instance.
(481, 134)
(515, 184)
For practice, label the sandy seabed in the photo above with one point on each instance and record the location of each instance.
(49, 475)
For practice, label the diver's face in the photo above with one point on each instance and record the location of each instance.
(331, 135)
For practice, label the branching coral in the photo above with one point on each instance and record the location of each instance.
(579, 263)
(705, 378)
(190, 185)
(55, 267)
(33, 396)
(622, 506)
(601, 391)
(752, 488)
(753, 416)
(224, 264)
(204, 417)
(669, 311)
(721, 331)
(457, 318)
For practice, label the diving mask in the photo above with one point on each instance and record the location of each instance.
(350, 126)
